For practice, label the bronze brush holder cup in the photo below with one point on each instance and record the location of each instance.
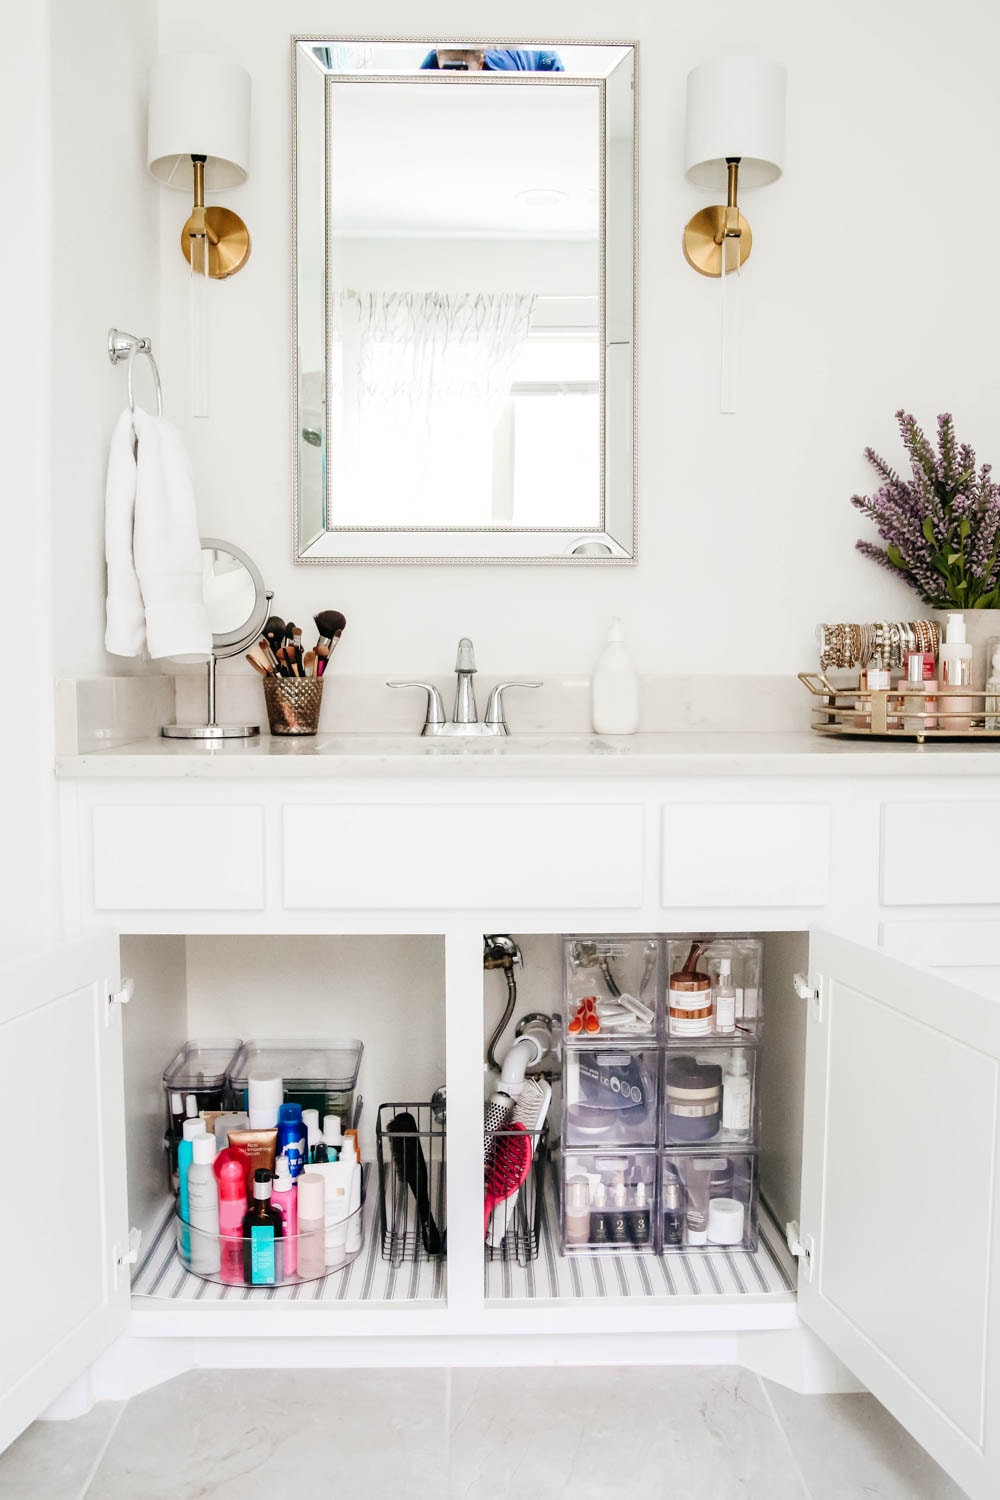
(293, 704)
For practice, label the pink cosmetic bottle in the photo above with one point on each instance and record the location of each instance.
(284, 1197)
(231, 1175)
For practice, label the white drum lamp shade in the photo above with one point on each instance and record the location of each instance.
(735, 108)
(198, 106)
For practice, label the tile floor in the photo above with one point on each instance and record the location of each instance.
(590, 1434)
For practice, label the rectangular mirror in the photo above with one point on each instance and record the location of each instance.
(464, 301)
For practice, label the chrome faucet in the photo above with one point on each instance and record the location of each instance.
(465, 719)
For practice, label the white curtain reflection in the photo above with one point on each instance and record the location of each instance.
(418, 381)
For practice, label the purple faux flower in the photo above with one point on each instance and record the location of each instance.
(942, 525)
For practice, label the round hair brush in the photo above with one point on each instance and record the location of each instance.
(508, 1169)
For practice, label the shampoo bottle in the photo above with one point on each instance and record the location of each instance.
(614, 687)
(185, 1156)
(203, 1207)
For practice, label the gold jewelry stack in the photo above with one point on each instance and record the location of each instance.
(846, 645)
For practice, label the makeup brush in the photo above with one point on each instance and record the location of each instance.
(274, 633)
(290, 658)
(330, 623)
(264, 647)
(264, 671)
(260, 659)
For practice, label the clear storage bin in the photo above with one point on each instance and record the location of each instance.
(607, 1202)
(610, 1096)
(708, 1201)
(319, 1075)
(198, 1071)
(610, 987)
(227, 1260)
(692, 982)
(710, 1094)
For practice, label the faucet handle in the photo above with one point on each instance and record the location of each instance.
(466, 660)
(435, 705)
(494, 708)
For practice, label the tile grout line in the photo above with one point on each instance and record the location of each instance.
(806, 1491)
(92, 1472)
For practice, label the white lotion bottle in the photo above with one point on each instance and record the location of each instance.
(614, 686)
(955, 657)
(203, 1208)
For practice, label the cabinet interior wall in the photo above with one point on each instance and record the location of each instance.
(388, 991)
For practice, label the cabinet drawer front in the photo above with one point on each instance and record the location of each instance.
(940, 853)
(173, 858)
(745, 854)
(464, 858)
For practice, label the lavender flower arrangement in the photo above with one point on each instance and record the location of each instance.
(941, 526)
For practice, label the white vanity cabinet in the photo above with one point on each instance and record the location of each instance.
(891, 1066)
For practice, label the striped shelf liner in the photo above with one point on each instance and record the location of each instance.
(694, 1273)
(688, 1273)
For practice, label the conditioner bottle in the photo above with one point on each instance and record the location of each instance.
(614, 686)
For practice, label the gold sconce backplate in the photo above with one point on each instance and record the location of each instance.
(703, 241)
(228, 254)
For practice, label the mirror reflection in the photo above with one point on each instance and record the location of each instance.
(230, 592)
(464, 302)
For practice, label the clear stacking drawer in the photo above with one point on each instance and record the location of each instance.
(708, 1200)
(607, 1201)
(610, 988)
(710, 1094)
(696, 1001)
(609, 1097)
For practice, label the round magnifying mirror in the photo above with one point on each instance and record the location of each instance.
(237, 604)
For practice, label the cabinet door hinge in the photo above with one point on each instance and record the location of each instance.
(806, 990)
(118, 998)
(802, 1246)
(125, 1255)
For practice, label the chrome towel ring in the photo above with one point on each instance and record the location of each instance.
(127, 345)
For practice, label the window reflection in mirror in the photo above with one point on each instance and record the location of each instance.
(464, 311)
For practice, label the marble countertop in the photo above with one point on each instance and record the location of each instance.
(522, 756)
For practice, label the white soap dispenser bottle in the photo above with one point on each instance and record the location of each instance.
(614, 687)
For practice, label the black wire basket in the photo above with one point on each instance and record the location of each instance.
(412, 1177)
(514, 1166)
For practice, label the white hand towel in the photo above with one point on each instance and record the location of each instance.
(155, 590)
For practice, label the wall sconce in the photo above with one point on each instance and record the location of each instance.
(735, 135)
(198, 139)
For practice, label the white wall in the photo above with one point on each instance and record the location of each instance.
(855, 304)
(79, 254)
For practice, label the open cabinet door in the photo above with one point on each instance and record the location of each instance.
(64, 1281)
(901, 1270)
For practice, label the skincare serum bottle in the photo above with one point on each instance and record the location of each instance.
(673, 1211)
(577, 1215)
(639, 1225)
(725, 999)
(736, 1097)
(599, 1216)
(263, 1228)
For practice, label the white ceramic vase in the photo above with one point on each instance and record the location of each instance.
(980, 626)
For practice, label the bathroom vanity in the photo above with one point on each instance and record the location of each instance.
(217, 878)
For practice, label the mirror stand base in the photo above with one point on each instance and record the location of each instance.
(209, 731)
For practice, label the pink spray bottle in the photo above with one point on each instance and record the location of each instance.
(230, 1171)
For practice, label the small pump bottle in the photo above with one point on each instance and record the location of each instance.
(229, 1174)
(614, 686)
(312, 1226)
(283, 1196)
(725, 999)
(956, 670)
(736, 1097)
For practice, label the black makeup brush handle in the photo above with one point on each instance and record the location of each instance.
(408, 1159)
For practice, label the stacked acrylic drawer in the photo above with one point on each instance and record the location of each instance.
(660, 1108)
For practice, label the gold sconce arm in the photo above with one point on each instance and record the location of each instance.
(227, 235)
(705, 233)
